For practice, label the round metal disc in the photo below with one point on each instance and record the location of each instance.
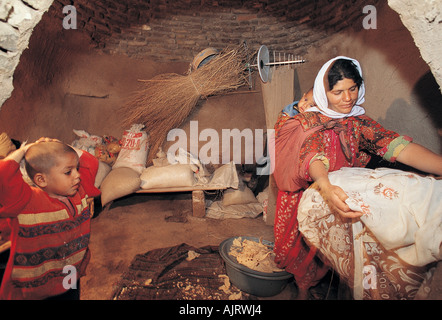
(262, 61)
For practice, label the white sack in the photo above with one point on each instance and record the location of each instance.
(174, 175)
(134, 147)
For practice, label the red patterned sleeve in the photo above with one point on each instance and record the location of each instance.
(312, 148)
(380, 141)
(88, 171)
(14, 191)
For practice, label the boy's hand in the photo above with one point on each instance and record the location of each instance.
(42, 139)
(18, 154)
(45, 139)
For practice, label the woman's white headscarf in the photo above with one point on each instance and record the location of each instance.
(320, 96)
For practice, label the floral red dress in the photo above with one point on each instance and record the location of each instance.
(338, 143)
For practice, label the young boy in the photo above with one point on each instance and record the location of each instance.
(305, 103)
(50, 223)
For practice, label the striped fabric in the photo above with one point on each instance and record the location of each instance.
(46, 237)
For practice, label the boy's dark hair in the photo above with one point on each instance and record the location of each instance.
(343, 68)
(42, 156)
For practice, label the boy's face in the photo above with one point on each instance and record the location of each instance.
(306, 101)
(63, 179)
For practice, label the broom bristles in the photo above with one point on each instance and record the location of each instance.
(165, 101)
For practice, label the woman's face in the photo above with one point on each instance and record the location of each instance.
(343, 96)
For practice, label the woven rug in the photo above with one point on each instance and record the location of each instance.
(180, 272)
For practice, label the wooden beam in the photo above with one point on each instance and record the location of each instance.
(276, 93)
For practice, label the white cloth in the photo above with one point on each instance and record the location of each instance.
(320, 96)
(402, 210)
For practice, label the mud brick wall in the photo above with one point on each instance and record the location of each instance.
(177, 30)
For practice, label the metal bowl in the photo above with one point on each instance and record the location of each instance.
(261, 284)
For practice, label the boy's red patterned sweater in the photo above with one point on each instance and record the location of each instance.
(45, 236)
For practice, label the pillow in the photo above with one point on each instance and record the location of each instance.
(103, 171)
(119, 183)
(174, 175)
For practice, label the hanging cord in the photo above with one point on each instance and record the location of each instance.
(194, 85)
(330, 284)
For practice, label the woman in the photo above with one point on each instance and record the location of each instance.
(332, 135)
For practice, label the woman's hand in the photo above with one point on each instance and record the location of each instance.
(421, 158)
(333, 195)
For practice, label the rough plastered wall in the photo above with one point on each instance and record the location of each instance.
(424, 21)
(17, 21)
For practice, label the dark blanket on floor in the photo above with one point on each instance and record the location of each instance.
(168, 273)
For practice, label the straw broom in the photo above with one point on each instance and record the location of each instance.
(165, 101)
